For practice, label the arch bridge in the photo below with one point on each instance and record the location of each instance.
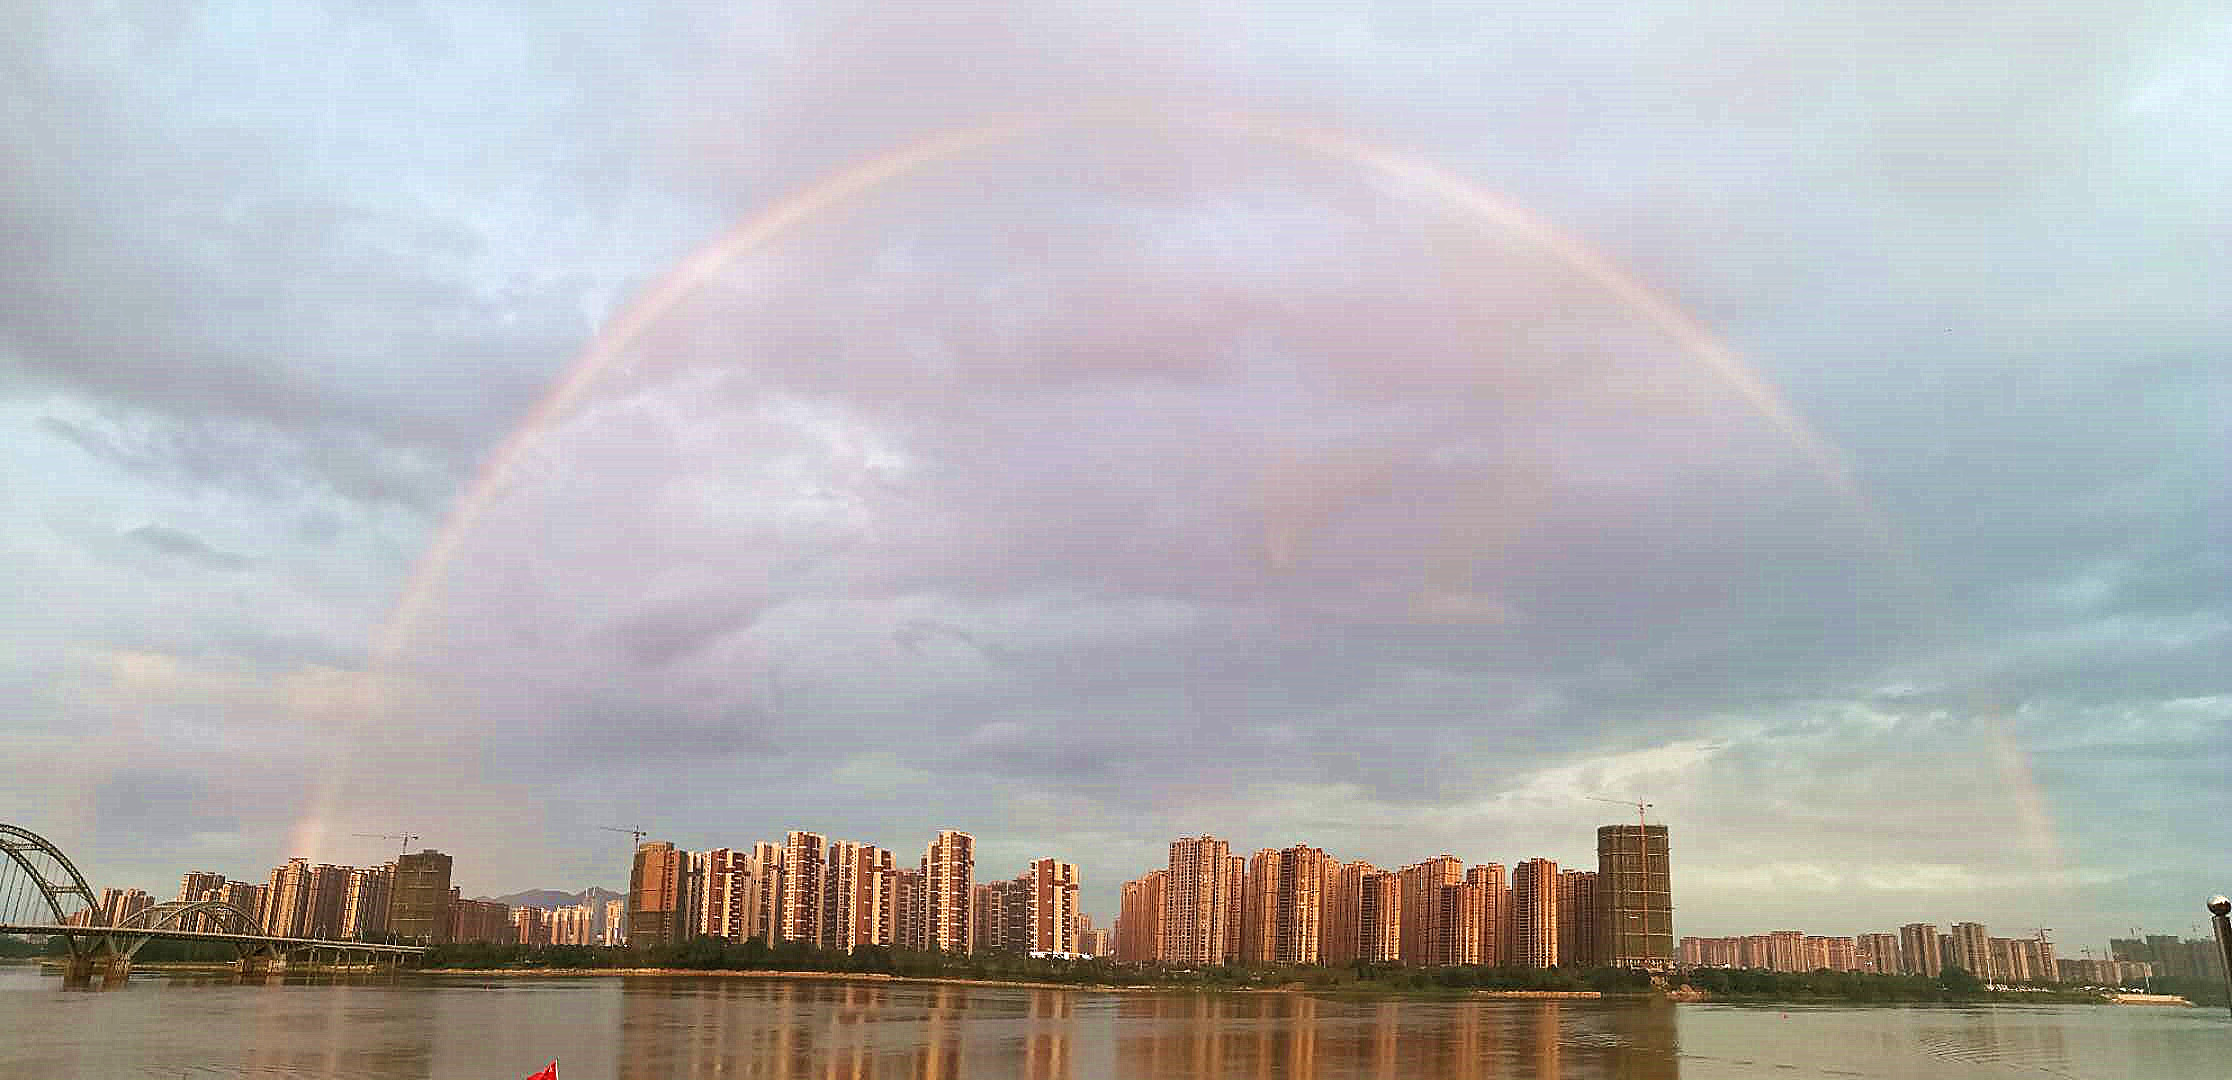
(42, 894)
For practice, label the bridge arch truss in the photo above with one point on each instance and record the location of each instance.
(43, 868)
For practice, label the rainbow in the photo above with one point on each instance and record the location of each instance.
(846, 187)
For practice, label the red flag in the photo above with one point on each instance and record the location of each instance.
(550, 1073)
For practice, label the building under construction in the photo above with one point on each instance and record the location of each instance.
(1635, 894)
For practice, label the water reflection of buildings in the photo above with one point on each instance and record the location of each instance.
(781, 1030)
(1046, 1043)
(938, 1057)
(1209, 1037)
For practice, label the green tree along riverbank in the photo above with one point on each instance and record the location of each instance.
(709, 954)
(1748, 984)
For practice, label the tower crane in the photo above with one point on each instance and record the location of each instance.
(638, 834)
(1641, 808)
(404, 838)
(2038, 934)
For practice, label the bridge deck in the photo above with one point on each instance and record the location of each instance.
(205, 935)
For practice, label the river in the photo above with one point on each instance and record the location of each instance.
(655, 1027)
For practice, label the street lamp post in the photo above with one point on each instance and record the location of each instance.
(2220, 913)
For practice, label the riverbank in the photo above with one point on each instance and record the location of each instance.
(2147, 999)
(877, 978)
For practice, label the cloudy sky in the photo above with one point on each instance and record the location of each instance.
(1183, 456)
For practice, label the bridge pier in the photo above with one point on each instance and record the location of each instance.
(253, 965)
(80, 970)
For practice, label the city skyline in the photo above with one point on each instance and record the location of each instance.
(1381, 427)
(1297, 905)
(1717, 926)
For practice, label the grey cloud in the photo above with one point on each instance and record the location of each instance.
(186, 547)
(1127, 477)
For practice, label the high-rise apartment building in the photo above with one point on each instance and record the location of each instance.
(657, 893)
(1422, 906)
(288, 913)
(117, 905)
(1495, 898)
(908, 930)
(1580, 919)
(574, 924)
(198, 885)
(2166, 955)
(1786, 950)
(1635, 894)
(1199, 901)
(364, 908)
(767, 861)
(613, 923)
(1879, 953)
(1139, 918)
(329, 894)
(531, 926)
(1534, 914)
(841, 891)
(729, 895)
(1379, 918)
(479, 920)
(1918, 950)
(419, 900)
(1341, 925)
(1094, 941)
(1000, 912)
(2018, 960)
(1282, 912)
(858, 907)
(201, 885)
(1720, 952)
(1461, 926)
(1055, 922)
(805, 873)
(948, 872)
(1236, 876)
(1828, 953)
(1972, 950)
(250, 899)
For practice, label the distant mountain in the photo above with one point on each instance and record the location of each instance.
(552, 898)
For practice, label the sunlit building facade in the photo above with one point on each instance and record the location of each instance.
(948, 872)
(1422, 906)
(1580, 919)
(364, 909)
(1139, 918)
(1054, 917)
(805, 871)
(1282, 912)
(1534, 914)
(655, 895)
(1200, 903)
(1495, 899)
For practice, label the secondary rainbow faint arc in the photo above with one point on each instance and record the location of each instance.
(840, 188)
